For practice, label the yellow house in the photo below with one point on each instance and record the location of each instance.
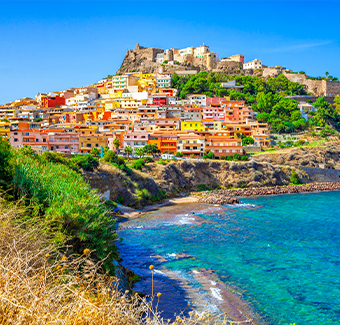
(5, 130)
(192, 126)
(111, 105)
(84, 129)
(88, 142)
(117, 94)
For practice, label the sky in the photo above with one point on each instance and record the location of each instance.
(54, 45)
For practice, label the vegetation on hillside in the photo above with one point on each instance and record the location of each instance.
(71, 213)
(267, 98)
(42, 285)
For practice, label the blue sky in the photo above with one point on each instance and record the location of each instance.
(53, 45)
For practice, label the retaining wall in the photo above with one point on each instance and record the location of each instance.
(322, 175)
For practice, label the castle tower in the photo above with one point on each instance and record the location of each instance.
(169, 55)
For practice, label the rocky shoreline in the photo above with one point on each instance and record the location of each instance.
(228, 196)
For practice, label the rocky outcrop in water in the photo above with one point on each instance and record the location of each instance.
(229, 195)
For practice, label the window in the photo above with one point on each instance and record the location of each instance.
(44, 140)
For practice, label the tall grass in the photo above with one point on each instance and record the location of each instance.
(40, 286)
(71, 211)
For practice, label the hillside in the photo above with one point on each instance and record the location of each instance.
(157, 181)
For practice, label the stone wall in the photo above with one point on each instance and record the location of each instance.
(252, 149)
(317, 87)
(322, 175)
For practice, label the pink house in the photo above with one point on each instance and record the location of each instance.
(37, 139)
(215, 113)
(66, 142)
(135, 140)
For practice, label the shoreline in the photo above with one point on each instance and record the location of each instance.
(227, 196)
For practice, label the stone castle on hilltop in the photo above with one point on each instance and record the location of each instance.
(191, 60)
(170, 60)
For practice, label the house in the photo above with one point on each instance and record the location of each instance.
(192, 126)
(64, 142)
(89, 141)
(305, 109)
(197, 99)
(191, 144)
(220, 144)
(135, 140)
(255, 64)
(235, 58)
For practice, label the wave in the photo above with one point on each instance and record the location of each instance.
(216, 293)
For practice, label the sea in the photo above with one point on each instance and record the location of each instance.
(277, 257)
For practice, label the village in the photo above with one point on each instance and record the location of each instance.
(125, 112)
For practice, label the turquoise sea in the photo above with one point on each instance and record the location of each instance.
(281, 254)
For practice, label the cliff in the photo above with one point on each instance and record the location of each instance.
(304, 156)
(158, 181)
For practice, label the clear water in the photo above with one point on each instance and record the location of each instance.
(282, 251)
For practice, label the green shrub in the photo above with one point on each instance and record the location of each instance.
(6, 170)
(203, 187)
(154, 198)
(87, 162)
(236, 156)
(112, 157)
(120, 199)
(138, 164)
(71, 212)
(294, 178)
(148, 160)
(161, 162)
(299, 143)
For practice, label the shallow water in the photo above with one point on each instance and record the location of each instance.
(281, 254)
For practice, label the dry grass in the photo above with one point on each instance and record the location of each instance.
(40, 285)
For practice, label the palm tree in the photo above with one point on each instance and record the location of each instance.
(128, 151)
(327, 73)
(116, 143)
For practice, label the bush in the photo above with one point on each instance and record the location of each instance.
(179, 154)
(203, 187)
(6, 170)
(148, 160)
(70, 211)
(138, 164)
(161, 162)
(294, 178)
(120, 199)
(236, 156)
(112, 158)
(299, 143)
(154, 198)
(87, 162)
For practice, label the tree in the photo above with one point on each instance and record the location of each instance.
(94, 152)
(128, 151)
(151, 149)
(336, 104)
(140, 152)
(179, 154)
(247, 140)
(116, 143)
